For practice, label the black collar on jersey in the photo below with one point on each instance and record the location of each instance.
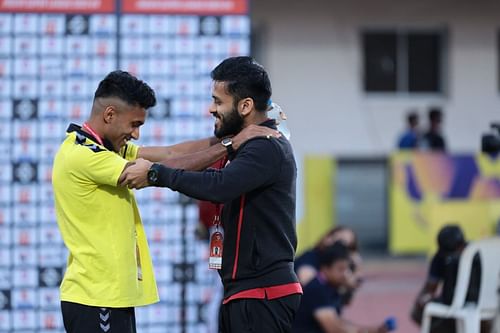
(75, 128)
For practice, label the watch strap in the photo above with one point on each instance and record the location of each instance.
(230, 149)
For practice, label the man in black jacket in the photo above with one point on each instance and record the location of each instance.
(257, 189)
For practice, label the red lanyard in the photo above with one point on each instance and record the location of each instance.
(217, 216)
(218, 207)
(94, 134)
(217, 238)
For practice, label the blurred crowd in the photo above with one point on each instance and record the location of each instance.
(430, 138)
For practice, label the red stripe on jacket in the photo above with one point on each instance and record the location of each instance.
(238, 236)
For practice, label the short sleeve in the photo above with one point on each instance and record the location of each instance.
(436, 270)
(129, 151)
(102, 167)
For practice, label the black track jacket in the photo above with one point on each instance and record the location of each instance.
(259, 185)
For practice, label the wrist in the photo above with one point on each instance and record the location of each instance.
(213, 140)
(228, 144)
(153, 175)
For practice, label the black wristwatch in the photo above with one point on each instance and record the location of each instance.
(228, 143)
(153, 174)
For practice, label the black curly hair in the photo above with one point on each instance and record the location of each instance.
(126, 87)
(244, 77)
(450, 238)
(335, 252)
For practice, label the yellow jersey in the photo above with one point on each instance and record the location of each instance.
(109, 263)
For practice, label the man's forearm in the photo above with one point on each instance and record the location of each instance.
(255, 166)
(199, 185)
(172, 153)
(196, 161)
(156, 154)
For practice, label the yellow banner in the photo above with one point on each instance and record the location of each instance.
(319, 182)
(429, 190)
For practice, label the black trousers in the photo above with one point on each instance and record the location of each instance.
(259, 315)
(79, 318)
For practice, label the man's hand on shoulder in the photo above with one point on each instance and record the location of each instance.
(253, 131)
(135, 175)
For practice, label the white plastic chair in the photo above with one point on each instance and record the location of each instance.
(468, 316)
(496, 322)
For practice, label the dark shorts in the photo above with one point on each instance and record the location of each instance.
(79, 318)
(259, 315)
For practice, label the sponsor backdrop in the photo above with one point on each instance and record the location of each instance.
(52, 55)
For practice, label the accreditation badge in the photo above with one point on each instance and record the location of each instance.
(216, 244)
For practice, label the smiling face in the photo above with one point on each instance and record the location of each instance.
(228, 120)
(123, 123)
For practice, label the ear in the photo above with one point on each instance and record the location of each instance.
(245, 106)
(109, 114)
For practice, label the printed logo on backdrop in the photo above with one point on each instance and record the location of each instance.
(24, 320)
(25, 194)
(49, 297)
(24, 172)
(5, 218)
(51, 320)
(202, 309)
(183, 272)
(25, 109)
(25, 256)
(50, 276)
(77, 24)
(25, 237)
(5, 274)
(5, 298)
(210, 26)
(24, 298)
(161, 110)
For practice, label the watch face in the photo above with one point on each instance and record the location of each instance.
(226, 142)
(152, 176)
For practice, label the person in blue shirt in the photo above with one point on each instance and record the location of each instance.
(410, 138)
(307, 264)
(321, 305)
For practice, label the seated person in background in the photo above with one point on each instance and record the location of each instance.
(443, 275)
(321, 305)
(307, 265)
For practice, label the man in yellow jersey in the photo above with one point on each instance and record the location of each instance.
(109, 269)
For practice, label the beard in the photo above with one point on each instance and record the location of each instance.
(230, 124)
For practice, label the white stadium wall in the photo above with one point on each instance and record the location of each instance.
(313, 52)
